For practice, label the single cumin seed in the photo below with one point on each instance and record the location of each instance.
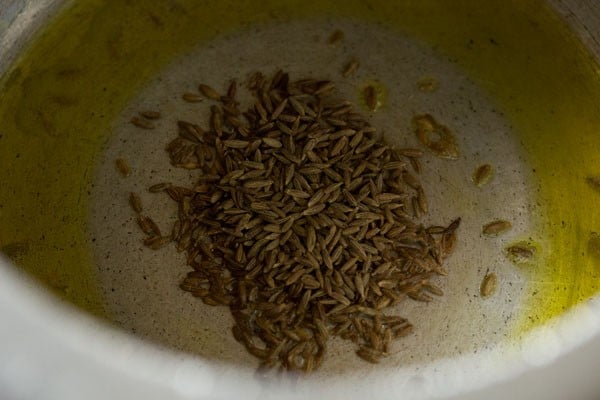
(123, 167)
(488, 285)
(496, 227)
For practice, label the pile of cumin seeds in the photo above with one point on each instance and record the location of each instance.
(303, 222)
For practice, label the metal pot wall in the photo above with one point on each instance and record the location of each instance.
(518, 84)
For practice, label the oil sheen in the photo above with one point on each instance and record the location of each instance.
(61, 98)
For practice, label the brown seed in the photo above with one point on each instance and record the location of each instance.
(157, 242)
(135, 202)
(416, 208)
(236, 144)
(253, 164)
(272, 142)
(145, 225)
(388, 197)
(410, 180)
(350, 68)
(192, 97)
(141, 123)
(297, 193)
(150, 114)
(279, 109)
(209, 92)
(336, 37)
(409, 152)
(313, 210)
(488, 285)
(123, 167)
(453, 226)
(257, 183)
(402, 330)
(159, 187)
(448, 243)
(433, 289)
(416, 165)
(188, 165)
(297, 105)
(496, 227)
(294, 277)
(176, 231)
(423, 205)
(340, 298)
(369, 354)
(394, 165)
(324, 88)
(152, 225)
(190, 132)
(311, 238)
(483, 175)
(232, 90)
(216, 120)
(370, 96)
(316, 198)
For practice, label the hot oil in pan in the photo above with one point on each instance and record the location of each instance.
(67, 98)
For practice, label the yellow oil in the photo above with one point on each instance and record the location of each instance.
(62, 94)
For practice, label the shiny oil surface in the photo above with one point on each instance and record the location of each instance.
(72, 83)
